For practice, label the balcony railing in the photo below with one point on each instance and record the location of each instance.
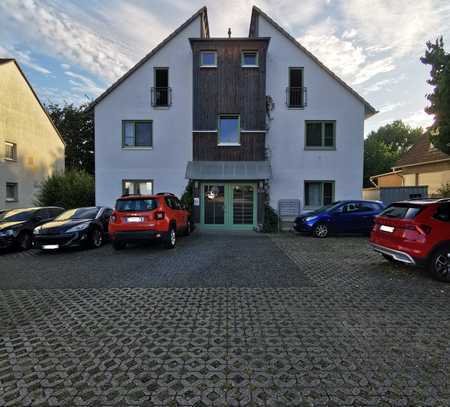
(296, 97)
(161, 96)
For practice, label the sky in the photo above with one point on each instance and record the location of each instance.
(73, 50)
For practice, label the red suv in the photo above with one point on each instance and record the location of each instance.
(144, 217)
(417, 233)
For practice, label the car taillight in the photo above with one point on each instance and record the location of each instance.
(159, 215)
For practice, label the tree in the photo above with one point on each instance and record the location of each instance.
(71, 189)
(383, 147)
(76, 126)
(439, 60)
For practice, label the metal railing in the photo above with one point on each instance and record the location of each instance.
(161, 96)
(296, 97)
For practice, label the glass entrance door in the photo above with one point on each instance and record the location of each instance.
(228, 205)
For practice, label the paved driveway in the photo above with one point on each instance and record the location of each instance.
(222, 320)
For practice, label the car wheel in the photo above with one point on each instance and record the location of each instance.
(171, 239)
(119, 245)
(96, 238)
(24, 241)
(440, 264)
(320, 230)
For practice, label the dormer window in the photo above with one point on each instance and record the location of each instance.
(249, 59)
(208, 59)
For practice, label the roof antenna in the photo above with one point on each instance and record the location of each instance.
(229, 32)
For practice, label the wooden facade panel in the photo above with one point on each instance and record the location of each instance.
(229, 88)
(252, 148)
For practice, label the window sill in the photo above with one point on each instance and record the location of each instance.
(249, 66)
(10, 160)
(137, 148)
(208, 66)
(320, 148)
(296, 108)
(9, 200)
(229, 144)
(161, 107)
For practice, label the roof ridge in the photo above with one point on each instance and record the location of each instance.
(202, 11)
(369, 108)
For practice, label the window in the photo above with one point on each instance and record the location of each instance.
(137, 187)
(320, 135)
(136, 205)
(319, 193)
(249, 59)
(10, 151)
(161, 93)
(229, 129)
(402, 211)
(173, 203)
(296, 92)
(137, 134)
(12, 192)
(443, 213)
(208, 59)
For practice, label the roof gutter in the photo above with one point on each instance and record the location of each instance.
(420, 163)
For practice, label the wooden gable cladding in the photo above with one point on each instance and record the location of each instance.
(229, 88)
(251, 148)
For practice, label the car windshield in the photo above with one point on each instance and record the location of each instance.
(17, 215)
(80, 213)
(324, 208)
(401, 211)
(136, 205)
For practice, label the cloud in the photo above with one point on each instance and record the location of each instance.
(389, 107)
(372, 69)
(419, 119)
(62, 36)
(82, 84)
(23, 58)
(385, 84)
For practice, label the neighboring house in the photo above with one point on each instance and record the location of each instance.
(243, 118)
(422, 165)
(30, 146)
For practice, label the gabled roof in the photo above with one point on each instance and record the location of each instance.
(420, 153)
(204, 33)
(6, 60)
(253, 32)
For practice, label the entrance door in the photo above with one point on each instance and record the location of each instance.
(228, 206)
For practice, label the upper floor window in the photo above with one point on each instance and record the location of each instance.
(320, 135)
(296, 92)
(319, 193)
(137, 134)
(10, 151)
(208, 59)
(229, 130)
(249, 59)
(161, 92)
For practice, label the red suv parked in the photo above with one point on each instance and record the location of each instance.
(144, 217)
(417, 233)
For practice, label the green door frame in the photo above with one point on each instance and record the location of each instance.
(228, 191)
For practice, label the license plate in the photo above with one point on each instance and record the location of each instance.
(385, 228)
(135, 219)
(50, 246)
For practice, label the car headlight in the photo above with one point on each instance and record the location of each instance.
(309, 218)
(7, 233)
(37, 230)
(78, 228)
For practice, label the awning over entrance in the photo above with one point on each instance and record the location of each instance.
(228, 170)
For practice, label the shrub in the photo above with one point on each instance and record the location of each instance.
(270, 224)
(187, 198)
(71, 189)
(444, 190)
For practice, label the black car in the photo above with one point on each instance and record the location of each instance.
(16, 225)
(81, 226)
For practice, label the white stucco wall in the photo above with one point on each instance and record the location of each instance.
(166, 163)
(327, 100)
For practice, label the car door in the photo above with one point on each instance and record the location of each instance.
(346, 218)
(367, 211)
(107, 212)
(180, 213)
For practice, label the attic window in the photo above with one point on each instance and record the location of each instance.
(208, 59)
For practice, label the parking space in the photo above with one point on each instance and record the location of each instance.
(224, 319)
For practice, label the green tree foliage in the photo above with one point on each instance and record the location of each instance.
(270, 224)
(383, 147)
(76, 126)
(188, 196)
(71, 189)
(439, 60)
(444, 191)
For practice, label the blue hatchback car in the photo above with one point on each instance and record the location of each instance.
(340, 217)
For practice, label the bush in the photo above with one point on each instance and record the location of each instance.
(72, 189)
(444, 190)
(188, 196)
(270, 224)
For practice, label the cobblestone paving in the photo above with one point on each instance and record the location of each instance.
(352, 330)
